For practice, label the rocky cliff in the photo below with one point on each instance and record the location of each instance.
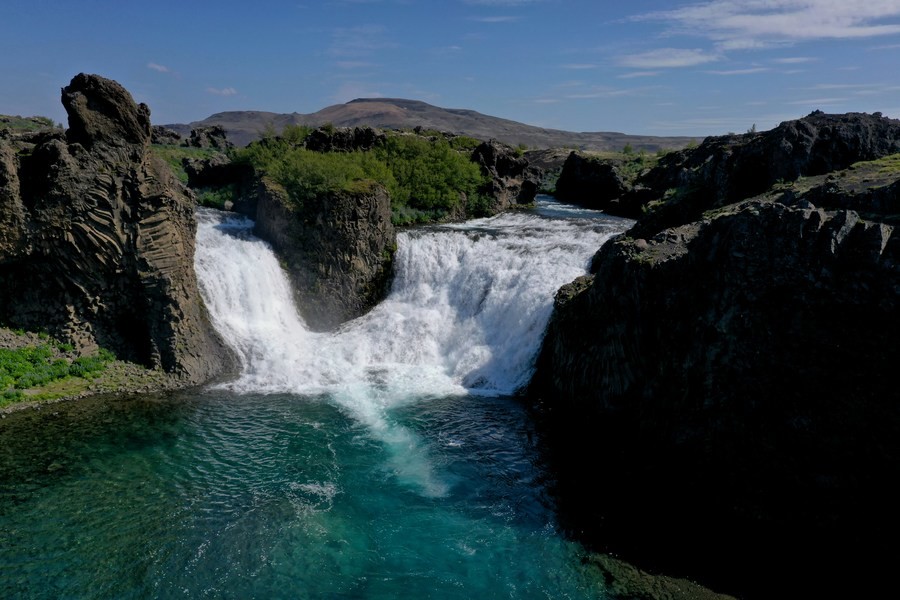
(97, 238)
(511, 180)
(338, 248)
(720, 385)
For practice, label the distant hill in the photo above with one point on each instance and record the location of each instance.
(394, 113)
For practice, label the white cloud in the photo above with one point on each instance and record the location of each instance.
(794, 60)
(636, 74)
(818, 101)
(228, 91)
(745, 24)
(157, 67)
(740, 71)
(665, 58)
(498, 19)
(579, 66)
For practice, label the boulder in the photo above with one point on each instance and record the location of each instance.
(512, 181)
(590, 181)
(164, 136)
(213, 137)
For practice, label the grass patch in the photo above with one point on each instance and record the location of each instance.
(17, 123)
(26, 371)
(175, 155)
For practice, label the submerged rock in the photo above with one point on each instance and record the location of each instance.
(97, 239)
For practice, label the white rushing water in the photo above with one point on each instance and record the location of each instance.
(466, 314)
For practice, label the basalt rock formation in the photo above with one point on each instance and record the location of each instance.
(209, 137)
(726, 169)
(724, 379)
(338, 248)
(345, 139)
(97, 238)
(512, 181)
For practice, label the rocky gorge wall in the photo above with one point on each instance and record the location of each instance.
(721, 383)
(97, 238)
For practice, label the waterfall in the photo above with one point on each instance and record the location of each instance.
(465, 315)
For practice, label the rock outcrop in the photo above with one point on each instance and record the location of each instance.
(212, 137)
(727, 169)
(721, 387)
(338, 248)
(511, 180)
(97, 239)
(345, 139)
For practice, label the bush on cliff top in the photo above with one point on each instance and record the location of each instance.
(428, 179)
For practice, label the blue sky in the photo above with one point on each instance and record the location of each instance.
(640, 67)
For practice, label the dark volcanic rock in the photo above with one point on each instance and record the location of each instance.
(329, 139)
(725, 403)
(102, 112)
(590, 181)
(726, 169)
(512, 180)
(338, 248)
(97, 240)
(164, 136)
(213, 137)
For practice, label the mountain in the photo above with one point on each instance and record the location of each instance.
(394, 113)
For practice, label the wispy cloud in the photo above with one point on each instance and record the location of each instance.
(602, 92)
(157, 67)
(740, 71)
(794, 60)
(636, 74)
(817, 101)
(228, 91)
(496, 19)
(579, 66)
(743, 24)
(361, 41)
(666, 58)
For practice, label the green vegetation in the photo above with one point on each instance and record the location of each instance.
(17, 123)
(429, 179)
(175, 155)
(216, 197)
(37, 366)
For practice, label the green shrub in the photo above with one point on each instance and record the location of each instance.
(35, 366)
(427, 179)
